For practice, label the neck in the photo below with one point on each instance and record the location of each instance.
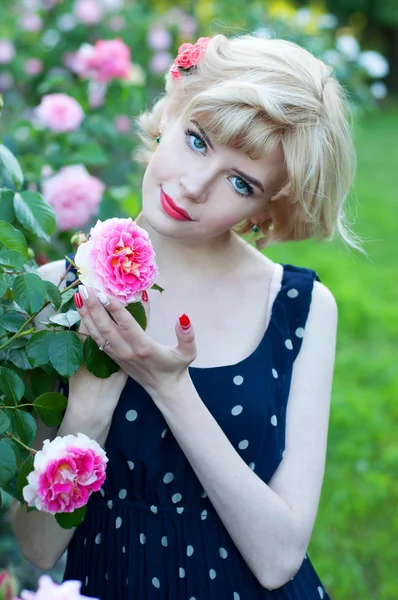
(183, 258)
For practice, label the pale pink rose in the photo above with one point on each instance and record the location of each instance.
(74, 195)
(31, 22)
(33, 66)
(59, 112)
(160, 62)
(48, 590)
(7, 51)
(117, 23)
(106, 60)
(118, 259)
(88, 12)
(66, 472)
(159, 38)
(122, 123)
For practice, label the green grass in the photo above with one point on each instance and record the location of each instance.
(354, 546)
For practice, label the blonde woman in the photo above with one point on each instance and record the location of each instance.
(216, 426)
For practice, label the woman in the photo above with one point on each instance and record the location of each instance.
(216, 442)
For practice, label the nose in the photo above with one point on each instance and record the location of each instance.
(195, 186)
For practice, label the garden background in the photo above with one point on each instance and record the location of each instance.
(354, 543)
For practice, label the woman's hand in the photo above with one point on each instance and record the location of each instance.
(152, 365)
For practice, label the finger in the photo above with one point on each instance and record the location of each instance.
(95, 319)
(123, 318)
(186, 344)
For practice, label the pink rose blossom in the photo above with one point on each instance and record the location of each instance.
(66, 472)
(59, 112)
(88, 12)
(74, 195)
(48, 590)
(118, 259)
(188, 56)
(106, 60)
(7, 51)
(33, 66)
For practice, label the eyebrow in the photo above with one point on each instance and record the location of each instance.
(249, 178)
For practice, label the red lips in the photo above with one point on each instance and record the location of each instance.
(171, 208)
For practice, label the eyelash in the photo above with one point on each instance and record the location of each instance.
(190, 132)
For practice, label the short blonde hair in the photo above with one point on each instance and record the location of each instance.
(254, 94)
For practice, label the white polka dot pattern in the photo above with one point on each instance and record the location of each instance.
(223, 553)
(110, 503)
(156, 582)
(168, 478)
(122, 494)
(274, 420)
(236, 410)
(163, 434)
(130, 464)
(165, 542)
(180, 510)
(320, 592)
(293, 293)
(243, 444)
(275, 373)
(289, 345)
(98, 538)
(118, 522)
(299, 332)
(190, 550)
(154, 509)
(238, 380)
(131, 415)
(236, 596)
(203, 515)
(176, 498)
(142, 538)
(212, 574)
(181, 572)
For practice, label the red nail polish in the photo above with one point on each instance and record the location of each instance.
(184, 321)
(78, 300)
(144, 296)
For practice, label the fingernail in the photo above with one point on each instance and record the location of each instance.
(103, 299)
(144, 296)
(185, 321)
(83, 291)
(78, 300)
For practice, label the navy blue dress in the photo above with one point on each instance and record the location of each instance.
(152, 533)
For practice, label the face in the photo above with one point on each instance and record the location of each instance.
(194, 189)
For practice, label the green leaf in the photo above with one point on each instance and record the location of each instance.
(50, 407)
(157, 287)
(35, 214)
(137, 311)
(11, 385)
(37, 348)
(90, 154)
(29, 292)
(97, 361)
(8, 463)
(13, 239)
(67, 319)
(11, 259)
(7, 205)
(12, 166)
(25, 426)
(53, 294)
(5, 281)
(5, 422)
(69, 520)
(19, 359)
(66, 353)
(25, 469)
(12, 321)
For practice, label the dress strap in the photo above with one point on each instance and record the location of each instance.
(292, 304)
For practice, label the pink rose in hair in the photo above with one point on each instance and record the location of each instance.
(48, 590)
(188, 56)
(74, 195)
(118, 259)
(59, 112)
(66, 472)
(106, 60)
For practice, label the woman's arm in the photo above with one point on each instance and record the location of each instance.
(270, 524)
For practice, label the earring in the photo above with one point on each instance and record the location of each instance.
(255, 228)
(158, 139)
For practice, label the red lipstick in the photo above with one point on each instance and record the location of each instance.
(171, 209)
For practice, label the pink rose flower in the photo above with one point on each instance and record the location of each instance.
(118, 259)
(59, 112)
(88, 12)
(188, 56)
(48, 590)
(31, 22)
(74, 195)
(106, 60)
(7, 51)
(66, 472)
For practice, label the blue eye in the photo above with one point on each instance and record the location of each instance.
(242, 186)
(197, 143)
